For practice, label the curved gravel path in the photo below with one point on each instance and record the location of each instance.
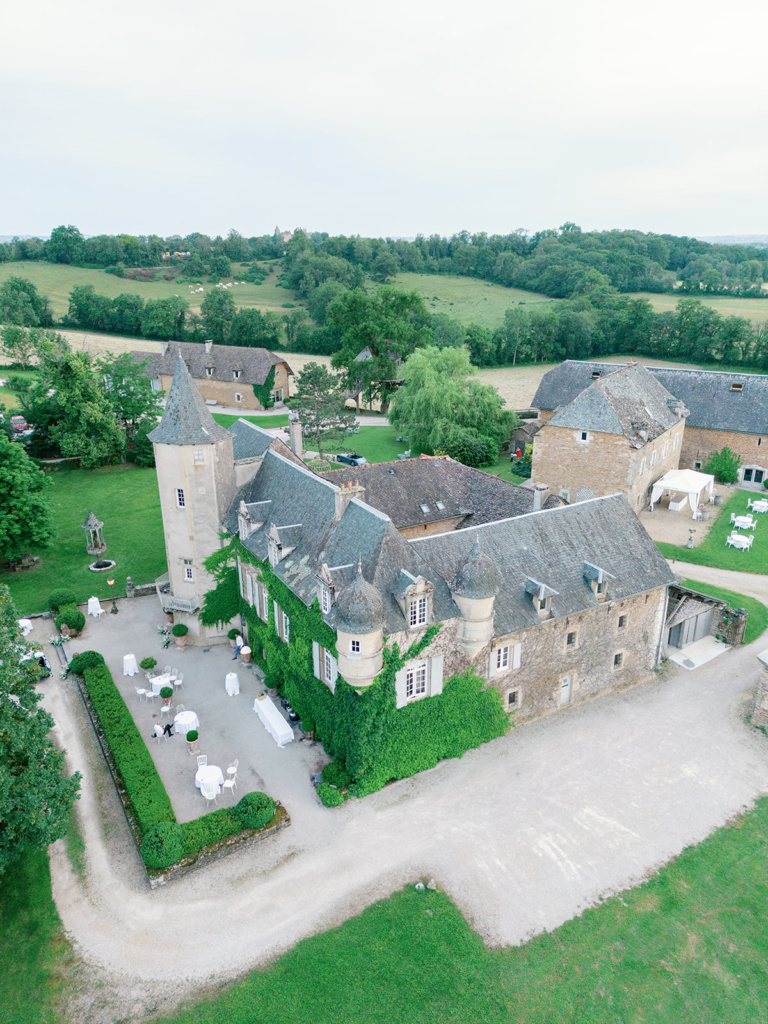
(523, 834)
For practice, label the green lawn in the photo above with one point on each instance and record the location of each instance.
(757, 613)
(278, 420)
(37, 958)
(713, 551)
(126, 500)
(56, 281)
(755, 310)
(8, 398)
(469, 299)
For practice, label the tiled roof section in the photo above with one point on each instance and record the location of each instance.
(251, 441)
(552, 547)
(628, 401)
(359, 607)
(400, 488)
(186, 419)
(253, 363)
(300, 497)
(712, 401)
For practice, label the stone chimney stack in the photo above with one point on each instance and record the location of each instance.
(297, 438)
(345, 494)
(539, 496)
(208, 346)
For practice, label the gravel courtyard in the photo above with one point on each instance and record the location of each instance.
(523, 834)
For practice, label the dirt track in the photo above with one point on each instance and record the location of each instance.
(523, 833)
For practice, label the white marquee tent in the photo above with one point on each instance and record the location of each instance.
(688, 483)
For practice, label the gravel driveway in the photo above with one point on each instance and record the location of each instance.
(523, 834)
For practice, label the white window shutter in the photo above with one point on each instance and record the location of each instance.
(256, 597)
(435, 675)
(249, 584)
(492, 664)
(516, 654)
(276, 606)
(334, 671)
(316, 659)
(400, 687)
(240, 571)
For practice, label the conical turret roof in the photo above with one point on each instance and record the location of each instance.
(186, 419)
(476, 576)
(359, 606)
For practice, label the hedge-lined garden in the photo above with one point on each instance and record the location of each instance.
(163, 840)
(372, 740)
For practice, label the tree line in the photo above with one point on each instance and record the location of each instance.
(561, 263)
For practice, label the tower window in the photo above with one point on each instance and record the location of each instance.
(199, 456)
(179, 497)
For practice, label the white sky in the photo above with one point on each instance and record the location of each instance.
(390, 118)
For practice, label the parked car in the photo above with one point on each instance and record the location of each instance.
(19, 424)
(352, 459)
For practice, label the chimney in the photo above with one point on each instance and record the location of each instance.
(345, 494)
(208, 346)
(539, 496)
(297, 438)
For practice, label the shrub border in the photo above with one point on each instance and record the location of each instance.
(160, 876)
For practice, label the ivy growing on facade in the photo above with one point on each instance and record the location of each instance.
(374, 739)
(263, 391)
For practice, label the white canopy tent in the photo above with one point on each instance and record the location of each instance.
(688, 483)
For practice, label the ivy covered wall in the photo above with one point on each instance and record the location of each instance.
(376, 740)
(263, 391)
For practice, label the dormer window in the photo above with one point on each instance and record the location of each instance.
(236, 375)
(736, 386)
(414, 596)
(418, 611)
(325, 600)
(597, 579)
(596, 374)
(209, 371)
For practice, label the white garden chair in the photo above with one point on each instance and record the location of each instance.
(202, 760)
(141, 693)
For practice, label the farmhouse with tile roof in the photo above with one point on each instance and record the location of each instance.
(725, 410)
(621, 433)
(548, 607)
(224, 374)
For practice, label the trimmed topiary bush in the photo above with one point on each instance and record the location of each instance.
(86, 660)
(163, 845)
(72, 618)
(255, 810)
(59, 598)
(179, 629)
(192, 735)
(330, 797)
(336, 774)
(166, 692)
(147, 664)
(233, 634)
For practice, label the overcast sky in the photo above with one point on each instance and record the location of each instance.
(394, 118)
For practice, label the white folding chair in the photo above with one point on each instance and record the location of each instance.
(202, 760)
(180, 708)
(167, 670)
(232, 769)
(230, 784)
(178, 681)
(140, 692)
(174, 673)
(150, 694)
(210, 794)
(165, 709)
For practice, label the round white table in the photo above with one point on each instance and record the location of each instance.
(232, 684)
(158, 682)
(94, 607)
(185, 722)
(209, 777)
(130, 668)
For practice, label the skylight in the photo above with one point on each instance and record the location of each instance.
(440, 505)
(424, 508)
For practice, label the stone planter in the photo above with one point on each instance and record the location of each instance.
(245, 655)
(180, 641)
(192, 744)
(718, 499)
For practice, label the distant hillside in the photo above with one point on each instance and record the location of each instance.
(759, 241)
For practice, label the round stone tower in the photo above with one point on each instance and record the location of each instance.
(474, 590)
(359, 623)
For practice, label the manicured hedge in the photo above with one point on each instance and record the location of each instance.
(163, 840)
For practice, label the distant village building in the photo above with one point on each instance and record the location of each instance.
(223, 374)
(725, 410)
(621, 434)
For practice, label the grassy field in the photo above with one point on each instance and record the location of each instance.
(57, 281)
(278, 420)
(713, 551)
(757, 612)
(7, 398)
(467, 298)
(126, 500)
(755, 310)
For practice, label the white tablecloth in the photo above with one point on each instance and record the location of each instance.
(209, 777)
(737, 541)
(25, 626)
(744, 522)
(158, 682)
(185, 722)
(760, 506)
(130, 668)
(94, 606)
(277, 727)
(232, 684)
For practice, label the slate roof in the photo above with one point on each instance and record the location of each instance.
(552, 547)
(359, 606)
(549, 546)
(400, 488)
(626, 401)
(707, 394)
(186, 418)
(251, 441)
(253, 363)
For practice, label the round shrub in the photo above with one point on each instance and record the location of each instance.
(166, 692)
(146, 664)
(163, 845)
(255, 810)
(330, 797)
(72, 618)
(85, 660)
(233, 633)
(61, 597)
(336, 774)
(179, 629)
(192, 735)
(308, 724)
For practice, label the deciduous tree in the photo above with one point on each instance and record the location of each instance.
(129, 390)
(22, 304)
(25, 515)
(35, 795)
